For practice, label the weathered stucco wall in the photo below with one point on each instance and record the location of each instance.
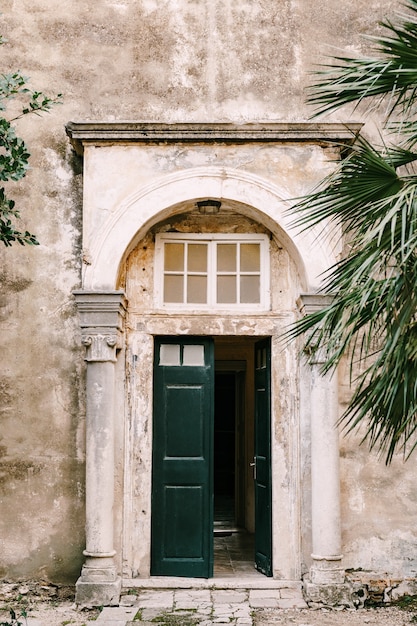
(212, 60)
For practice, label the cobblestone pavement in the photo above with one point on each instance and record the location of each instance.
(199, 607)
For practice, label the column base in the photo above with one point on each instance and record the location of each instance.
(326, 571)
(347, 595)
(327, 595)
(92, 594)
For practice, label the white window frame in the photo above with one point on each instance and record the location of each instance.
(212, 305)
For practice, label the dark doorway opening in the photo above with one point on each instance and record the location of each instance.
(225, 452)
(229, 446)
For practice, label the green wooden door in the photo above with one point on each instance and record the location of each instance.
(182, 482)
(263, 508)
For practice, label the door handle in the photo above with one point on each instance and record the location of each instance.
(254, 467)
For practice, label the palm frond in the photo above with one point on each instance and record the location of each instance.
(362, 179)
(371, 198)
(391, 74)
(372, 317)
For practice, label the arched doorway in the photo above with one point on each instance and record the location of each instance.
(234, 333)
(119, 336)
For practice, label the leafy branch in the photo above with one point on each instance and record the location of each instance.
(14, 155)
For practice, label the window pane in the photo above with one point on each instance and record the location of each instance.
(215, 270)
(174, 257)
(169, 354)
(250, 257)
(197, 257)
(173, 289)
(226, 257)
(226, 289)
(197, 289)
(249, 289)
(193, 355)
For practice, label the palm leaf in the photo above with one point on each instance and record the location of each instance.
(371, 198)
(389, 75)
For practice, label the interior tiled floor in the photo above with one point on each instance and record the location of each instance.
(234, 548)
(234, 556)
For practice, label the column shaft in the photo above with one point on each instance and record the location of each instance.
(325, 480)
(102, 315)
(99, 459)
(326, 565)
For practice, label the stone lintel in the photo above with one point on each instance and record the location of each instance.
(98, 133)
(93, 594)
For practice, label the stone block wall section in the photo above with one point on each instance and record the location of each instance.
(359, 589)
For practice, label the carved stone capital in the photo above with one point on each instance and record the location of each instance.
(312, 303)
(100, 347)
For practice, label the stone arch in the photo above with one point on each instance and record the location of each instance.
(112, 229)
(256, 197)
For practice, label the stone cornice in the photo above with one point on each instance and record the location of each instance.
(101, 133)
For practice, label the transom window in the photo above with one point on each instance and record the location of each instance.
(212, 270)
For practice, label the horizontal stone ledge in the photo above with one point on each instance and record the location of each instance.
(101, 132)
(170, 582)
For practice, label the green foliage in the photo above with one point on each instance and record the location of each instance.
(372, 196)
(349, 80)
(14, 156)
(15, 618)
(179, 618)
(407, 603)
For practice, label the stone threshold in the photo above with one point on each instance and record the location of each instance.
(168, 582)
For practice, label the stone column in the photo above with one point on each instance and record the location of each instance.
(101, 319)
(326, 565)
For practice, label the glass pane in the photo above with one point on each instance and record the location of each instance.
(249, 289)
(169, 354)
(197, 257)
(174, 257)
(226, 289)
(197, 289)
(173, 289)
(250, 257)
(226, 257)
(193, 355)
